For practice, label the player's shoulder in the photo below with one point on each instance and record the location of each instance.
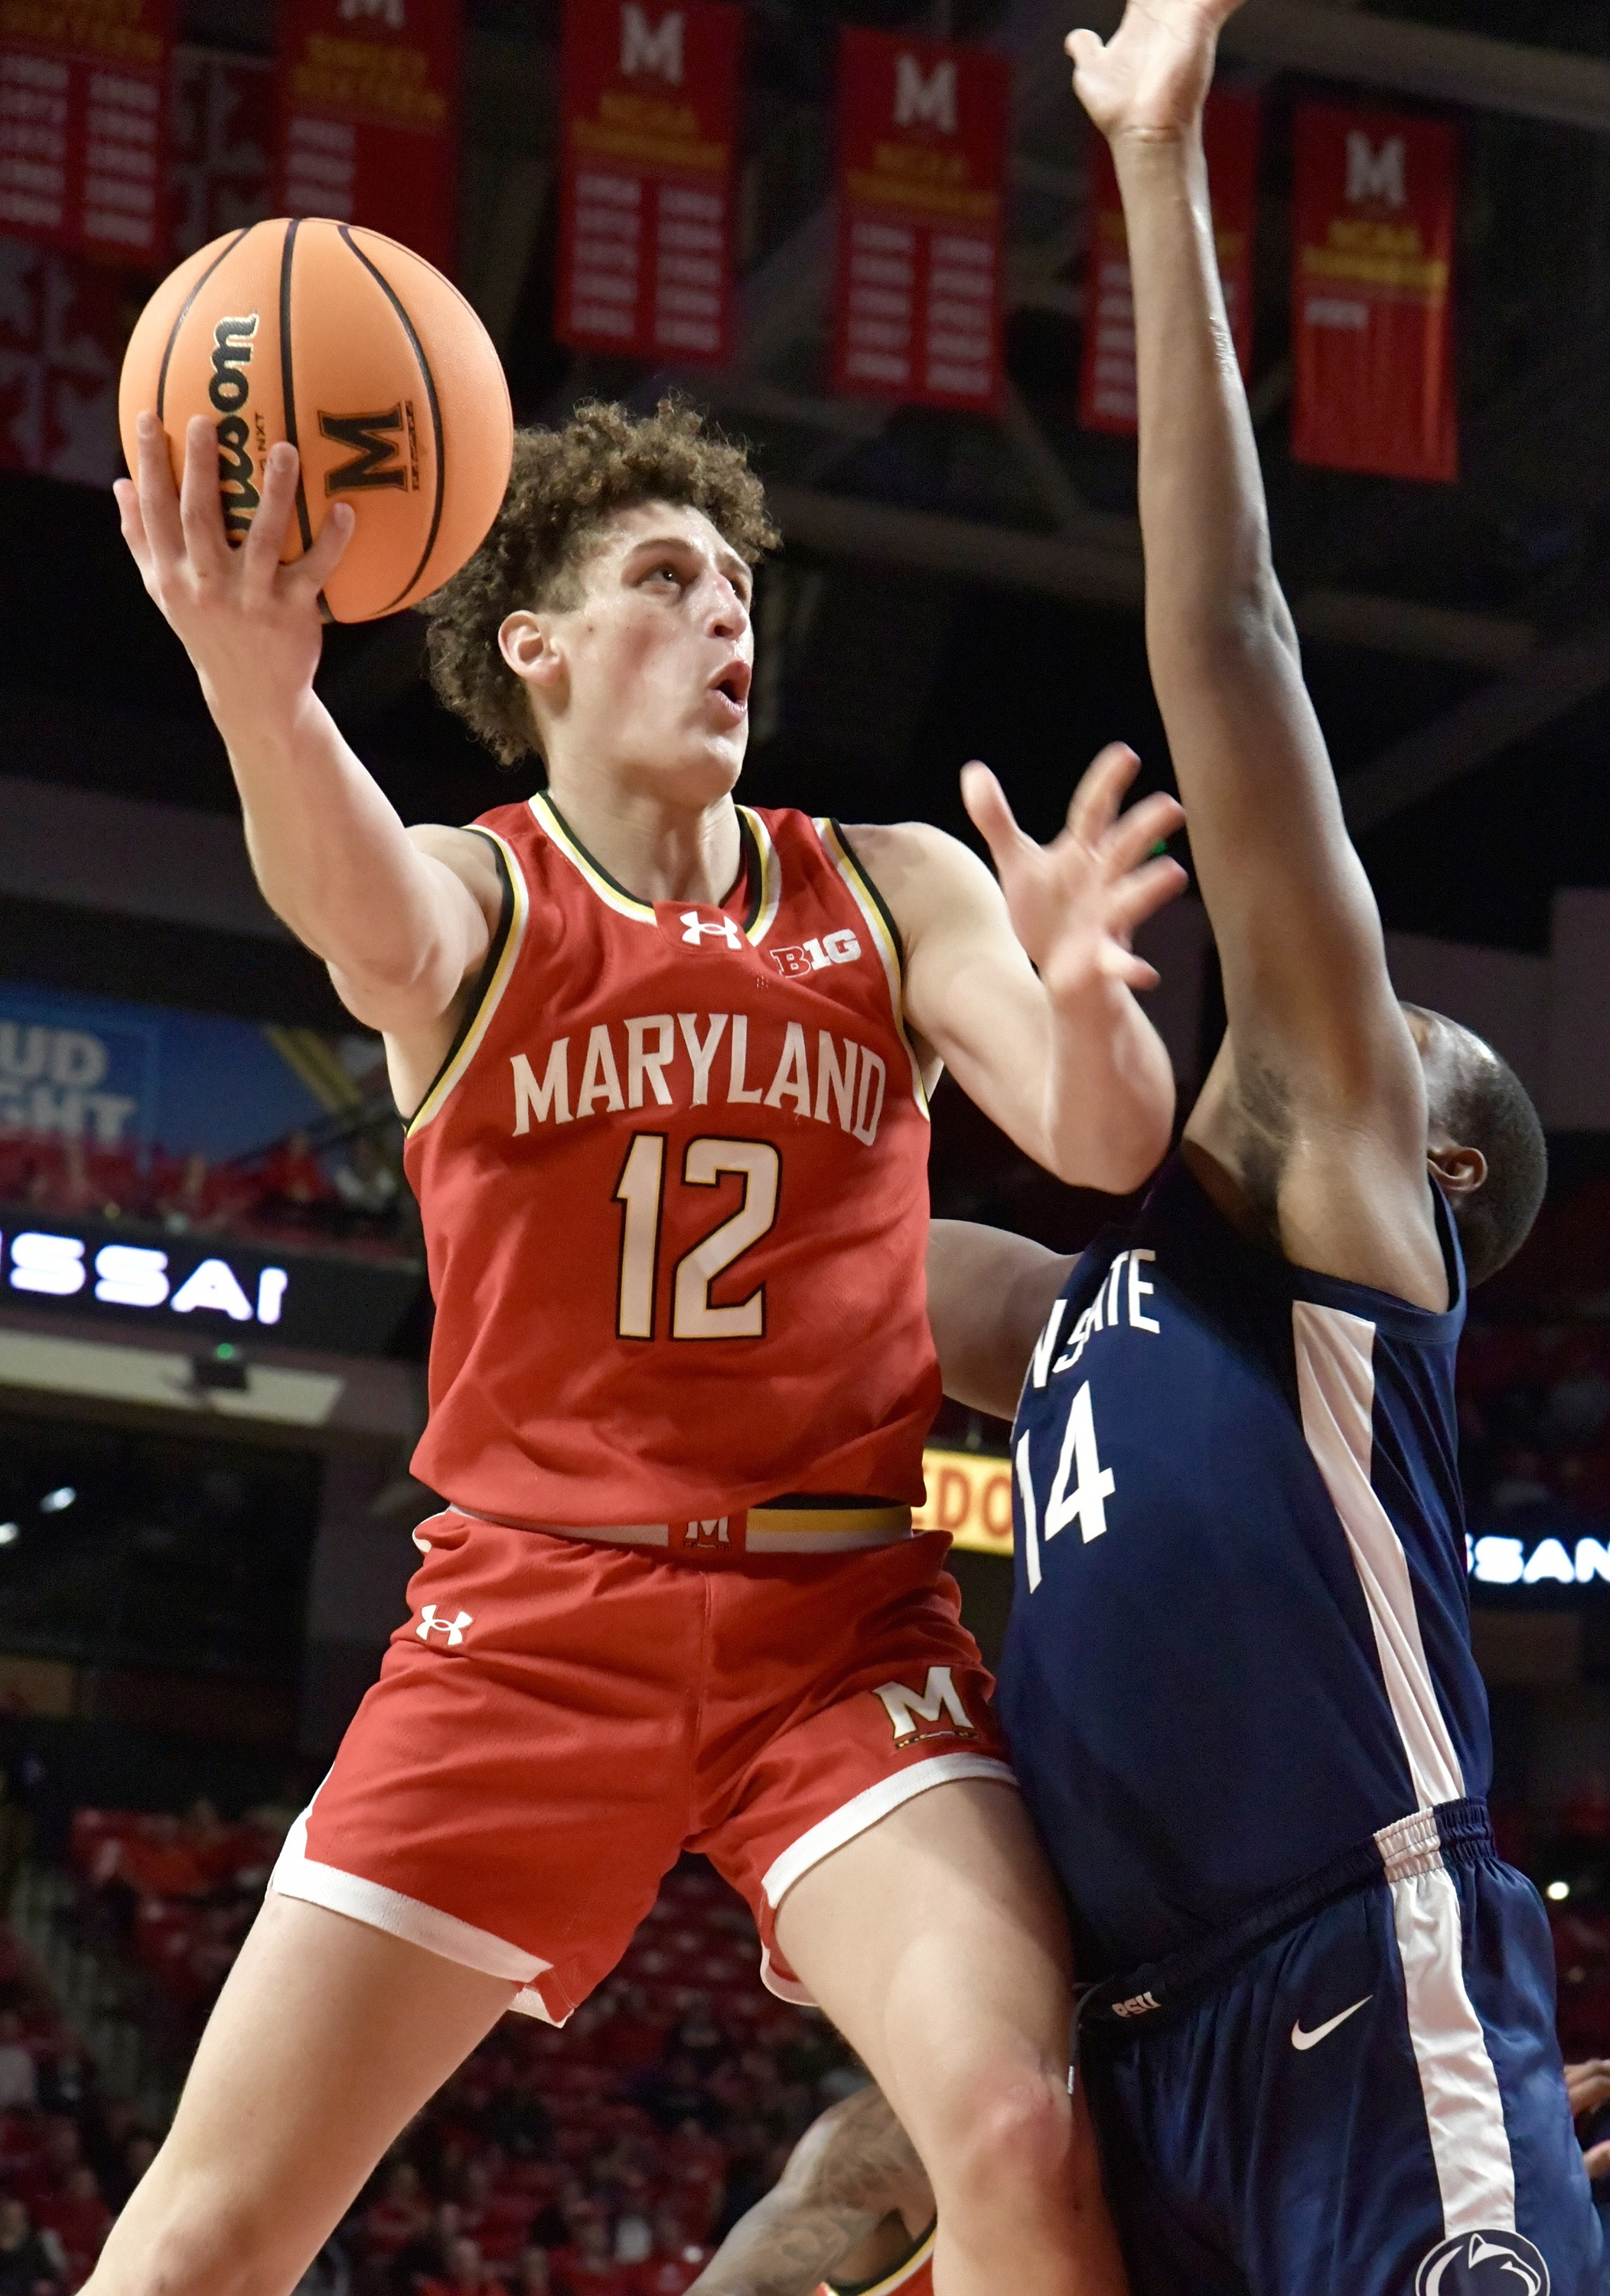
(922, 872)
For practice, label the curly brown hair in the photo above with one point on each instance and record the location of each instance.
(564, 489)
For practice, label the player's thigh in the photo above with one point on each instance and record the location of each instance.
(327, 2039)
(935, 1941)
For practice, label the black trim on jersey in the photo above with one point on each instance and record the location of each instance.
(484, 978)
(860, 2287)
(748, 861)
(872, 894)
(750, 858)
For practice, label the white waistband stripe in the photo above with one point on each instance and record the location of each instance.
(1410, 1845)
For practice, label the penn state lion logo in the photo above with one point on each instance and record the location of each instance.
(1483, 2264)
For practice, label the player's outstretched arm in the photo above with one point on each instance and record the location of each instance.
(853, 2169)
(1025, 987)
(989, 1294)
(402, 921)
(1321, 1058)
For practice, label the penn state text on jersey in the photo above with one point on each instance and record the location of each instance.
(673, 1179)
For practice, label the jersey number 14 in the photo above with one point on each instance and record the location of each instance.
(640, 1192)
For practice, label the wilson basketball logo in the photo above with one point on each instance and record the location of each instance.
(229, 391)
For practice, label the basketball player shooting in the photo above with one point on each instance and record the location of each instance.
(665, 1064)
(1238, 1685)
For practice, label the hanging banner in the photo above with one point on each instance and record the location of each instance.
(64, 322)
(922, 145)
(1374, 209)
(1106, 368)
(223, 145)
(84, 124)
(650, 110)
(368, 117)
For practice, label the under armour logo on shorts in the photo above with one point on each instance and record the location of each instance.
(454, 1628)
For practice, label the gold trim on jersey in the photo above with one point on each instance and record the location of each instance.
(900, 2277)
(492, 995)
(880, 926)
(613, 896)
(764, 896)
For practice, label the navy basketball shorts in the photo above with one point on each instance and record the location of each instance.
(1368, 2103)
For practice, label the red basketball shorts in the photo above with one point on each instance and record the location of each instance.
(558, 1720)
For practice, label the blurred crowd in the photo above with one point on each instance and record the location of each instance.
(604, 2160)
(1535, 1421)
(352, 1195)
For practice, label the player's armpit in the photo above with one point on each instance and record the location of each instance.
(454, 894)
(989, 1294)
(1064, 1060)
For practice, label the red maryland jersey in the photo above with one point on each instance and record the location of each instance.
(674, 1184)
(914, 2277)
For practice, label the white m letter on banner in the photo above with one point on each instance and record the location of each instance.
(933, 99)
(643, 50)
(941, 1697)
(1373, 174)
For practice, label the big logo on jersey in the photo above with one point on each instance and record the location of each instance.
(1483, 2264)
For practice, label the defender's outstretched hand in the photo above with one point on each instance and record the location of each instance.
(252, 627)
(1074, 904)
(1151, 77)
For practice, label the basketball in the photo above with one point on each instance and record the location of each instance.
(369, 362)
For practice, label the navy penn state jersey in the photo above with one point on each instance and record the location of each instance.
(1239, 1645)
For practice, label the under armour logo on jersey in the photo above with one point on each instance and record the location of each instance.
(940, 1697)
(1483, 2264)
(694, 926)
(454, 1628)
(709, 1530)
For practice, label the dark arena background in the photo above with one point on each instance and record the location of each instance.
(214, 1314)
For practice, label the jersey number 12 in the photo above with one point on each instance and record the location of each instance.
(640, 1192)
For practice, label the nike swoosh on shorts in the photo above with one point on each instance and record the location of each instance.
(1302, 2040)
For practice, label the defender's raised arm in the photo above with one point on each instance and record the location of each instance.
(1321, 1088)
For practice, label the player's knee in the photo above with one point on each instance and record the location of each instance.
(196, 2243)
(1015, 2135)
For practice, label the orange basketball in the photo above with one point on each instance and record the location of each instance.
(369, 362)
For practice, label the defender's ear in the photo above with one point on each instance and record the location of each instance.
(1461, 1171)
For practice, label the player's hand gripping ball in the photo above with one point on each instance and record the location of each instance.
(369, 362)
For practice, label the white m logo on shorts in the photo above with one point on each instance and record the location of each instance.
(643, 50)
(940, 1697)
(454, 1628)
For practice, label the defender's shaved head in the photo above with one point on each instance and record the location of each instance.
(1475, 1100)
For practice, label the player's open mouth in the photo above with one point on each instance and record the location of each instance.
(732, 689)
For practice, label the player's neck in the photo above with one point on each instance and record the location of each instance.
(657, 845)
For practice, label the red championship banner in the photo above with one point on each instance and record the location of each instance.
(650, 109)
(1106, 370)
(64, 322)
(1374, 205)
(224, 131)
(368, 117)
(84, 119)
(922, 145)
